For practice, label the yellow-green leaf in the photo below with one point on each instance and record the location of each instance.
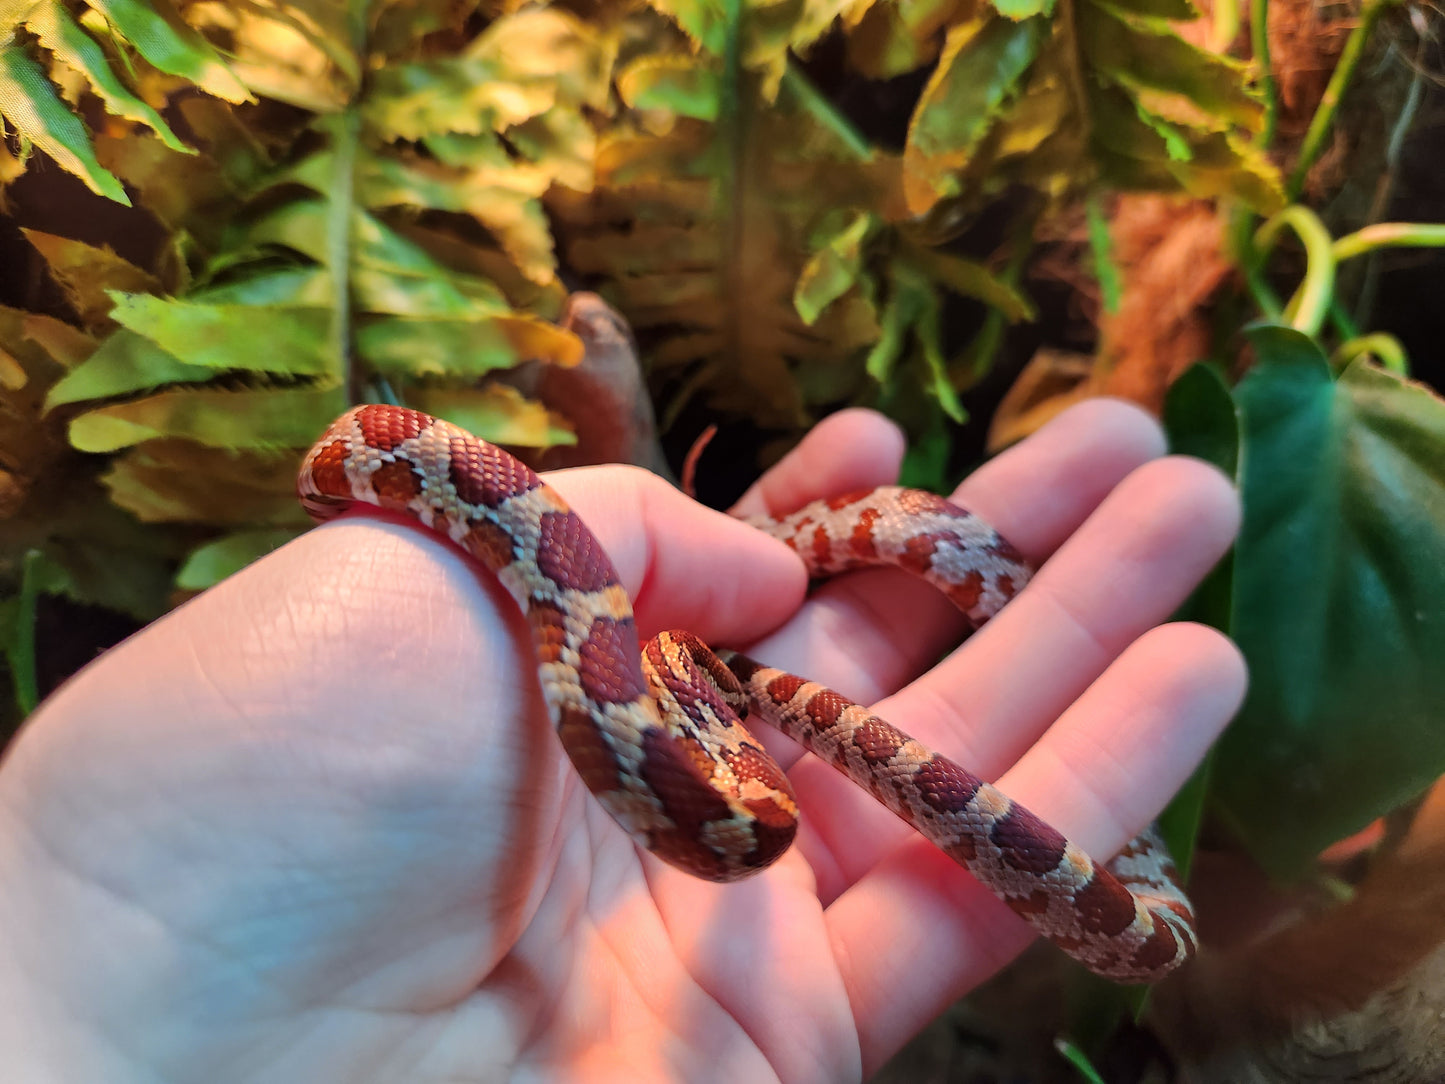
(87, 272)
(159, 35)
(1145, 52)
(123, 364)
(276, 339)
(263, 418)
(60, 33)
(684, 85)
(498, 413)
(180, 481)
(30, 103)
(984, 59)
(461, 349)
(832, 270)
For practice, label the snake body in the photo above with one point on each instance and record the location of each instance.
(658, 738)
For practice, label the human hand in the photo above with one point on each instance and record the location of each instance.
(313, 826)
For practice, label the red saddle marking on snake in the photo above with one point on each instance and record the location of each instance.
(659, 740)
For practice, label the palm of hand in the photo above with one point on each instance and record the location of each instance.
(339, 842)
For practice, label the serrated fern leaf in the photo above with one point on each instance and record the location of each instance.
(380, 248)
(1097, 91)
(114, 33)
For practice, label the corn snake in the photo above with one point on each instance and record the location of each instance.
(658, 739)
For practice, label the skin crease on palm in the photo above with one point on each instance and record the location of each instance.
(314, 826)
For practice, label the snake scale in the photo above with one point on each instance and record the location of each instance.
(657, 737)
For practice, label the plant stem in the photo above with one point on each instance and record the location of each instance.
(345, 133)
(1248, 259)
(978, 357)
(22, 645)
(1079, 1060)
(820, 109)
(1389, 235)
(1321, 122)
(1381, 345)
(1394, 151)
(1306, 311)
(1343, 323)
(1259, 44)
(1101, 246)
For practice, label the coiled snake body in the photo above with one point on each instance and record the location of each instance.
(658, 739)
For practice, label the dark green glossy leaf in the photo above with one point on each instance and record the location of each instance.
(1339, 588)
(1200, 420)
(1200, 417)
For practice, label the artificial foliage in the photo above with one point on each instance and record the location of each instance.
(372, 200)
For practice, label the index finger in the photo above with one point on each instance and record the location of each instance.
(867, 634)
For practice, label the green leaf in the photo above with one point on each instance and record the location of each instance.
(833, 269)
(925, 462)
(1168, 10)
(397, 347)
(912, 318)
(208, 565)
(59, 33)
(1101, 248)
(760, 35)
(969, 278)
(676, 84)
(1201, 420)
(1079, 1060)
(307, 260)
(522, 66)
(504, 197)
(167, 43)
(39, 575)
(123, 364)
(29, 102)
(392, 275)
(499, 414)
(983, 61)
(899, 314)
(1141, 52)
(302, 287)
(1023, 9)
(1339, 587)
(87, 272)
(1102, 91)
(305, 53)
(939, 383)
(1139, 149)
(888, 40)
(180, 481)
(216, 418)
(275, 339)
